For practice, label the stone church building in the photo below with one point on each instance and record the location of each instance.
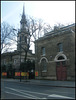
(55, 54)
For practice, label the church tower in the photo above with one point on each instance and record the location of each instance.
(23, 33)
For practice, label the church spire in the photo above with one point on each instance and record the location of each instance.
(23, 15)
(23, 19)
(23, 9)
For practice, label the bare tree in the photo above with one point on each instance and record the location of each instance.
(8, 37)
(35, 30)
(37, 27)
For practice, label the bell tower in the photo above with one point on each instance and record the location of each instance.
(23, 33)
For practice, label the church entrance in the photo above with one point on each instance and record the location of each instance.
(61, 70)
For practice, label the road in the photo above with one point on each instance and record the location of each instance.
(26, 90)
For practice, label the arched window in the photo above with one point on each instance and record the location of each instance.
(60, 57)
(43, 50)
(60, 47)
(44, 65)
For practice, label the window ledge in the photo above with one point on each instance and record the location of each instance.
(43, 55)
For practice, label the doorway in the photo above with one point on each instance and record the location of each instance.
(61, 70)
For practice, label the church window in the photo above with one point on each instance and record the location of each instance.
(43, 50)
(44, 66)
(60, 58)
(60, 47)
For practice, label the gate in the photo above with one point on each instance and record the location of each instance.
(61, 70)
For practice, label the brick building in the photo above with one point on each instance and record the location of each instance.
(55, 54)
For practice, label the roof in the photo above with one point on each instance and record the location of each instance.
(58, 31)
(16, 52)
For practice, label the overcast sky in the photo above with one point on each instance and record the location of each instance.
(52, 12)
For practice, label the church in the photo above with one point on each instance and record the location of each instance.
(54, 53)
(23, 43)
(22, 53)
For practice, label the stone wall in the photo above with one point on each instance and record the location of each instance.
(51, 49)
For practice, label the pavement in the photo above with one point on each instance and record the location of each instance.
(66, 84)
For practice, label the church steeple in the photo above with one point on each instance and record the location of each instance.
(23, 10)
(23, 34)
(23, 19)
